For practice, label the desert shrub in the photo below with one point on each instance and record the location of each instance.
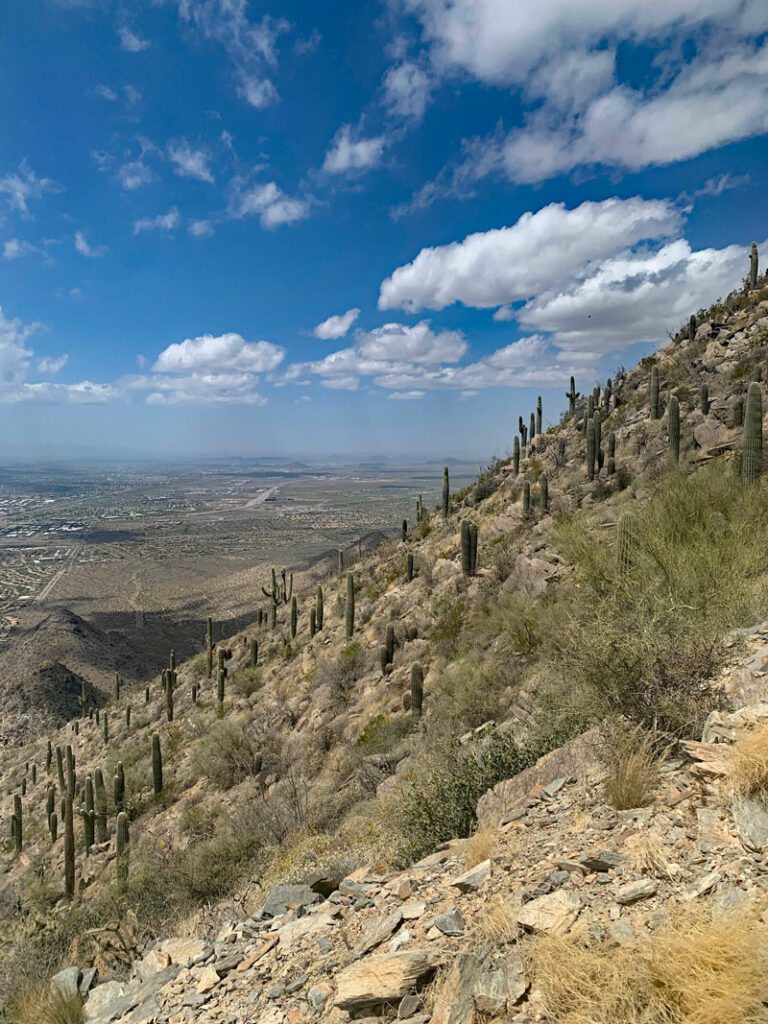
(447, 622)
(40, 1005)
(467, 693)
(631, 762)
(700, 967)
(424, 528)
(136, 757)
(224, 754)
(645, 643)
(440, 802)
(383, 733)
(199, 821)
(340, 674)
(245, 681)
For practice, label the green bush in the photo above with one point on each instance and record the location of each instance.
(383, 733)
(447, 622)
(224, 755)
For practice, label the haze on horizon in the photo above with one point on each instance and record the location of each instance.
(256, 228)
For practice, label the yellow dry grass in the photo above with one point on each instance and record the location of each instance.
(496, 925)
(38, 1005)
(646, 853)
(632, 768)
(748, 764)
(699, 968)
(478, 847)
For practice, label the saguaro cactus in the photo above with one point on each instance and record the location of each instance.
(70, 771)
(349, 621)
(446, 493)
(591, 449)
(692, 327)
(516, 455)
(118, 787)
(117, 687)
(60, 769)
(157, 765)
(409, 566)
(533, 426)
(122, 841)
(673, 428)
(312, 621)
(653, 393)
(526, 499)
(319, 608)
(404, 531)
(390, 643)
(466, 549)
(169, 695)
(417, 689)
(752, 448)
(473, 546)
(254, 652)
(294, 616)
(544, 492)
(53, 826)
(88, 815)
(572, 394)
(69, 848)
(753, 267)
(17, 824)
(341, 561)
(100, 805)
(538, 415)
(48, 757)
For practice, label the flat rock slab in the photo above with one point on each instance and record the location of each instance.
(634, 891)
(369, 983)
(751, 817)
(471, 880)
(288, 897)
(377, 931)
(552, 914)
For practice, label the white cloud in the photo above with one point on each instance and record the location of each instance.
(418, 344)
(269, 202)
(84, 392)
(353, 155)
(82, 246)
(22, 185)
(200, 228)
(543, 249)
(15, 248)
(189, 162)
(250, 46)
(130, 42)
(336, 326)
(204, 389)
(14, 355)
(132, 95)
(50, 365)
(106, 93)
(217, 353)
(407, 90)
(163, 222)
(134, 174)
(406, 396)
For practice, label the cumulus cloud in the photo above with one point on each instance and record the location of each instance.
(130, 42)
(189, 162)
(203, 389)
(23, 185)
(49, 364)
(82, 246)
(353, 155)
(417, 344)
(406, 396)
(217, 353)
(268, 201)
(134, 174)
(407, 90)
(163, 222)
(200, 228)
(542, 250)
(15, 248)
(336, 326)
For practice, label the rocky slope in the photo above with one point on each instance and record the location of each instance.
(294, 774)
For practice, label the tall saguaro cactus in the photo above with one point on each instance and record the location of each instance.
(466, 549)
(544, 492)
(653, 393)
(319, 608)
(349, 621)
(17, 824)
(753, 267)
(752, 449)
(157, 765)
(100, 803)
(446, 493)
(591, 449)
(673, 427)
(516, 455)
(69, 848)
(572, 394)
(122, 842)
(294, 616)
(526, 499)
(417, 689)
(538, 415)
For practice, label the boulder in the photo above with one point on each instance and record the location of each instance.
(288, 897)
(553, 913)
(369, 983)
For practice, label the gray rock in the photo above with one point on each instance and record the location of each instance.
(275, 991)
(101, 996)
(288, 897)
(751, 817)
(317, 997)
(296, 984)
(67, 981)
(87, 979)
(550, 791)
(377, 931)
(634, 891)
(604, 861)
(471, 880)
(450, 923)
(324, 944)
(408, 1006)
(195, 999)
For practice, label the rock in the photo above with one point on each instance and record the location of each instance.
(186, 952)
(622, 930)
(572, 759)
(455, 1003)
(288, 897)
(413, 909)
(303, 927)
(550, 791)
(324, 884)
(710, 432)
(408, 1006)
(402, 938)
(318, 995)
(382, 979)
(751, 817)
(101, 996)
(553, 913)
(704, 885)
(377, 931)
(450, 923)
(194, 999)
(601, 862)
(208, 980)
(67, 982)
(471, 880)
(634, 891)
(531, 576)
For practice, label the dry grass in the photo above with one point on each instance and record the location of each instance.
(647, 855)
(748, 764)
(39, 1005)
(632, 767)
(496, 925)
(696, 969)
(478, 847)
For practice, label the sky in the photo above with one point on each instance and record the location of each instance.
(259, 227)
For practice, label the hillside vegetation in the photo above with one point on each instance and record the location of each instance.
(588, 584)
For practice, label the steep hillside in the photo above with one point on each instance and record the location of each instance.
(525, 676)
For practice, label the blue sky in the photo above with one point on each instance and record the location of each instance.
(264, 227)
